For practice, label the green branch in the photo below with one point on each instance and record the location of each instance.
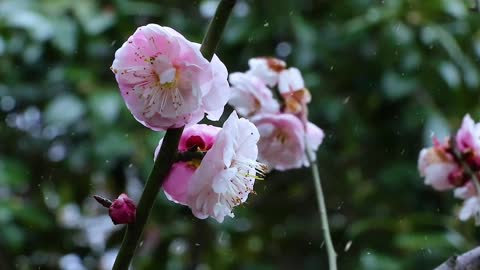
(160, 170)
(332, 256)
(215, 29)
(167, 154)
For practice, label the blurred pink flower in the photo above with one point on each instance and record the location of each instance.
(166, 82)
(282, 141)
(267, 69)
(197, 137)
(314, 138)
(122, 210)
(294, 93)
(249, 95)
(228, 171)
(438, 168)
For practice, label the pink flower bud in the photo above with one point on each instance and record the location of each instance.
(122, 210)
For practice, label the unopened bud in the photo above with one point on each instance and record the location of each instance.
(122, 210)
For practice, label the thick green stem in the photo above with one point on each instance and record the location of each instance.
(167, 154)
(215, 29)
(332, 256)
(161, 167)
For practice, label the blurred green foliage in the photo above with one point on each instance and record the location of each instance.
(385, 76)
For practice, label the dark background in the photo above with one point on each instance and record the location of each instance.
(384, 75)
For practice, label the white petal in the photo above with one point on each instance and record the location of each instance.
(222, 180)
(220, 211)
(469, 208)
(436, 175)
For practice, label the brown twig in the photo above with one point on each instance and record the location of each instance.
(467, 261)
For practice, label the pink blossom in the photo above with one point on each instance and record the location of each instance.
(217, 89)
(197, 137)
(249, 95)
(215, 100)
(166, 82)
(314, 137)
(468, 136)
(176, 184)
(282, 141)
(228, 171)
(122, 210)
(436, 167)
(266, 68)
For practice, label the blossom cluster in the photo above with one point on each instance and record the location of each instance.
(454, 164)
(224, 177)
(167, 83)
(285, 132)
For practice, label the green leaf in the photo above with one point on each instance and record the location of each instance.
(13, 174)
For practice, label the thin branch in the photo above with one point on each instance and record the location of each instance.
(167, 154)
(216, 27)
(476, 8)
(332, 256)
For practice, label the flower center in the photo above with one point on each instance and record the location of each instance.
(241, 183)
(281, 136)
(161, 93)
(194, 163)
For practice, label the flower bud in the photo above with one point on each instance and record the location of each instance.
(122, 210)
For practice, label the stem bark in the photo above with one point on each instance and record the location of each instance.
(467, 261)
